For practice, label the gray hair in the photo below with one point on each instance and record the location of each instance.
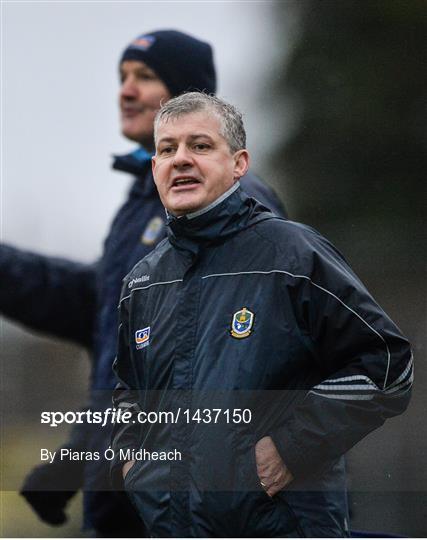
(232, 128)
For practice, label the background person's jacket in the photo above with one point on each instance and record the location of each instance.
(78, 302)
(239, 309)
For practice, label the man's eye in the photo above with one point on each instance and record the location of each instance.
(201, 146)
(166, 150)
(146, 77)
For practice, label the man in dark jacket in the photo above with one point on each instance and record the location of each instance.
(79, 302)
(251, 358)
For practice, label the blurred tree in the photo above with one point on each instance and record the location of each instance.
(356, 80)
(352, 163)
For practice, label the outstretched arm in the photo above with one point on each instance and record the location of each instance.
(48, 294)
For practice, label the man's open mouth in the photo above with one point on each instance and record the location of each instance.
(185, 182)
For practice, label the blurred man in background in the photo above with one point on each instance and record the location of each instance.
(78, 302)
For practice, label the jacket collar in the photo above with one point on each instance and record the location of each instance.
(226, 216)
(137, 163)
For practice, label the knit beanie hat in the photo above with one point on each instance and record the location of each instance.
(182, 62)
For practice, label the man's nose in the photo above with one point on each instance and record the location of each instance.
(182, 157)
(129, 88)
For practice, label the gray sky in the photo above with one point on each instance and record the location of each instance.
(59, 106)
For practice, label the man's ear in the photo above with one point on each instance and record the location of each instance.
(153, 166)
(241, 163)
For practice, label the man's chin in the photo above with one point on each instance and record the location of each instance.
(186, 205)
(141, 137)
(183, 210)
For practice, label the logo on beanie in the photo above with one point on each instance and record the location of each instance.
(143, 42)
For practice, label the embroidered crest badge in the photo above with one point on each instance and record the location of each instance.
(152, 231)
(242, 323)
(142, 337)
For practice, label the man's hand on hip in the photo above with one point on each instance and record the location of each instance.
(272, 472)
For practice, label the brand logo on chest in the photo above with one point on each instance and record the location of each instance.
(142, 337)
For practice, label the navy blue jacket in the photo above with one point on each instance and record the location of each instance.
(78, 302)
(241, 310)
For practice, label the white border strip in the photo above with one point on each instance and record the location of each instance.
(404, 373)
(216, 202)
(148, 286)
(346, 387)
(347, 397)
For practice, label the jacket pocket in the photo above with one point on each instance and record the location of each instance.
(280, 502)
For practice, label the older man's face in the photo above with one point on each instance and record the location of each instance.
(141, 92)
(193, 165)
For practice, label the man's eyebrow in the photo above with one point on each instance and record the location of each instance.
(139, 69)
(144, 69)
(166, 139)
(200, 135)
(191, 137)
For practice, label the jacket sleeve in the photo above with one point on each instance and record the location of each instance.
(365, 362)
(48, 294)
(125, 397)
